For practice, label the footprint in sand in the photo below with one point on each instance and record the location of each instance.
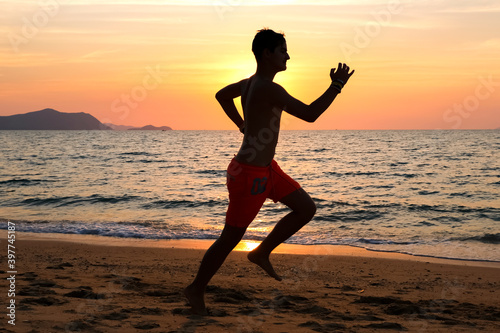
(146, 325)
(84, 292)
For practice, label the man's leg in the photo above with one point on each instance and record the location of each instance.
(210, 264)
(303, 210)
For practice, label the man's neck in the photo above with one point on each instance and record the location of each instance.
(265, 72)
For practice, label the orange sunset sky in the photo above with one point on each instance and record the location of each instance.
(419, 64)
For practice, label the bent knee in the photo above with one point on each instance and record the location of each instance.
(308, 210)
(312, 210)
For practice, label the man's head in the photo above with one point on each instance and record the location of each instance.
(268, 42)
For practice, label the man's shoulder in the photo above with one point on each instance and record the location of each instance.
(267, 86)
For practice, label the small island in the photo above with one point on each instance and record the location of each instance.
(151, 128)
(144, 128)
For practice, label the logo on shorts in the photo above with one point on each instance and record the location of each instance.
(259, 185)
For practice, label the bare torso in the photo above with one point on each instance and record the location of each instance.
(262, 123)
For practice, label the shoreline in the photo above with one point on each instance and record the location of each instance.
(245, 246)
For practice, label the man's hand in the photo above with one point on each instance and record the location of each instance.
(341, 74)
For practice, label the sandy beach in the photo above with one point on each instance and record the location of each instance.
(75, 285)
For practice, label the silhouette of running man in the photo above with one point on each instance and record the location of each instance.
(253, 175)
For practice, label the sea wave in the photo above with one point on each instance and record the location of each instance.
(485, 238)
(170, 204)
(62, 201)
(24, 182)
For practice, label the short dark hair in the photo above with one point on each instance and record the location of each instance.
(266, 39)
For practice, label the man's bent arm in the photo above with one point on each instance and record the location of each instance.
(226, 97)
(303, 111)
(321, 104)
(232, 112)
(311, 112)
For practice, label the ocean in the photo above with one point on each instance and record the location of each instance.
(429, 193)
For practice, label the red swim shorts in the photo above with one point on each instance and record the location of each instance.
(249, 186)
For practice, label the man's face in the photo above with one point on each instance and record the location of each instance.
(279, 57)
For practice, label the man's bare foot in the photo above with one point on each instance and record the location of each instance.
(264, 263)
(196, 300)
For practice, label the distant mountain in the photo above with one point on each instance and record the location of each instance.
(50, 119)
(151, 128)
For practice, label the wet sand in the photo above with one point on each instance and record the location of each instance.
(78, 284)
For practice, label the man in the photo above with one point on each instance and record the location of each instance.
(253, 175)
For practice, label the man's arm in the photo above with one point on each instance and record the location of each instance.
(311, 112)
(226, 97)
